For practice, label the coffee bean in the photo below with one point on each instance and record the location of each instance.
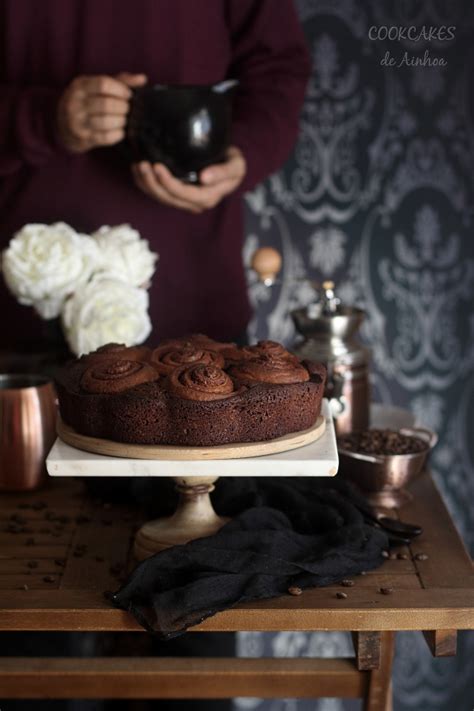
(32, 564)
(402, 556)
(14, 528)
(48, 579)
(99, 558)
(116, 569)
(60, 562)
(386, 591)
(30, 542)
(24, 587)
(39, 506)
(383, 442)
(341, 595)
(385, 554)
(421, 556)
(347, 583)
(83, 519)
(294, 590)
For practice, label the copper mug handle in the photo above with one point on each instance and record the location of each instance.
(27, 430)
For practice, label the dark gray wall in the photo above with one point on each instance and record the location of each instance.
(378, 196)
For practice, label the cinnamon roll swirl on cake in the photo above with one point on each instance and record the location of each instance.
(191, 391)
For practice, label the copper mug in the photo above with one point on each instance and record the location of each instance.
(27, 430)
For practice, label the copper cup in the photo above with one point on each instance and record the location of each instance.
(27, 430)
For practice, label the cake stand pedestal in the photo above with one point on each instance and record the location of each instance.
(195, 471)
(194, 518)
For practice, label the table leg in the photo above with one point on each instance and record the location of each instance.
(379, 694)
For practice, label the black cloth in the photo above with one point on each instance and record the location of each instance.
(285, 532)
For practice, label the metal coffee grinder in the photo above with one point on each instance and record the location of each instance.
(329, 330)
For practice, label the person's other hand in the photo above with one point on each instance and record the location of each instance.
(217, 181)
(93, 110)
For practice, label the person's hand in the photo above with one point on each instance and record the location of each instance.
(93, 110)
(217, 181)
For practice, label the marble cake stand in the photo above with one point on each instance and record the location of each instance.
(313, 453)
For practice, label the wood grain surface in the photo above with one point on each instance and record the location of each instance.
(86, 550)
(191, 678)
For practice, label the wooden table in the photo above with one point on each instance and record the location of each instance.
(60, 549)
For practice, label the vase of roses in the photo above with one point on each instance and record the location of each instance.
(89, 289)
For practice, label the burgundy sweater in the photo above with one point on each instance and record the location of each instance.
(199, 284)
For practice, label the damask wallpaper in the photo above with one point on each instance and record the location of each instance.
(378, 195)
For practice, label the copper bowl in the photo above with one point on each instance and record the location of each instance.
(382, 477)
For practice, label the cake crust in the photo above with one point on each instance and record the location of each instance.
(257, 394)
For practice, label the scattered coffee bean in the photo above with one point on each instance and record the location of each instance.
(341, 595)
(50, 516)
(83, 519)
(60, 562)
(385, 554)
(421, 556)
(294, 590)
(39, 506)
(32, 564)
(18, 519)
(63, 519)
(24, 587)
(392, 556)
(386, 591)
(402, 556)
(347, 583)
(78, 554)
(99, 558)
(48, 579)
(30, 542)
(116, 569)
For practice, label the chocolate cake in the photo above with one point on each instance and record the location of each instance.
(190, 391)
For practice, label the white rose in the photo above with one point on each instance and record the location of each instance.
(43, 264)
(105, 311)
(124, 255)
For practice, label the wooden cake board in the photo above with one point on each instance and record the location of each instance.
(195, 516)
(224, 451)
